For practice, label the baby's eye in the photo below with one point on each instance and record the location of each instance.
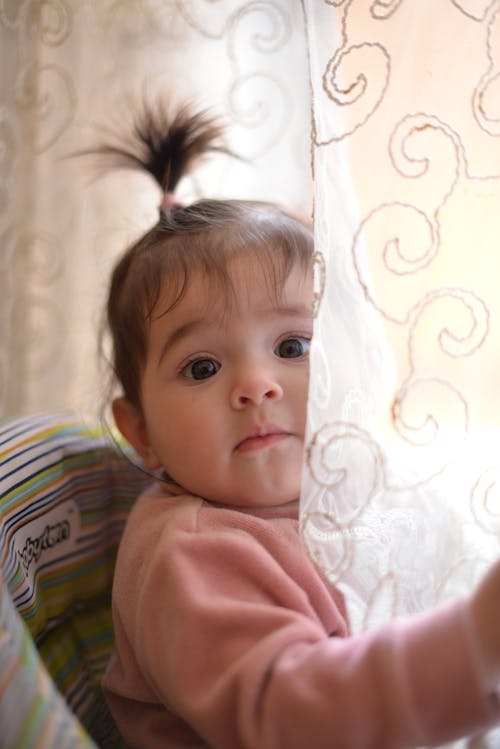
(292, 348)
(201, 369)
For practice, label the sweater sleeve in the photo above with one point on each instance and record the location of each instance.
(228, 641)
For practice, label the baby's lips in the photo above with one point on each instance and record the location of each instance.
(262, 436)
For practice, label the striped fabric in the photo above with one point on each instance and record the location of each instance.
(33, 714)
(65, 491)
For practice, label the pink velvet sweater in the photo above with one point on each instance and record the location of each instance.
(228, 637)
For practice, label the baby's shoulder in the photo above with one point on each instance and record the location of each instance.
(163, 519)
(158, 507)
(154, 521)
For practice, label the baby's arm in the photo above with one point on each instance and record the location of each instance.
(227, 640)
(484, 608)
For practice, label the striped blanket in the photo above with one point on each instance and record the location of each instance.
(65, 491)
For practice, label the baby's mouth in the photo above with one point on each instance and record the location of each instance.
(262, 437)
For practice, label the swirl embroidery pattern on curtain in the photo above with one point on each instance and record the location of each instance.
(37, 106)
(401, 488)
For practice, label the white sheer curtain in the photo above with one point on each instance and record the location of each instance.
(400, 503)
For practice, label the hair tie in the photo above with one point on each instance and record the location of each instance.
(169, 202)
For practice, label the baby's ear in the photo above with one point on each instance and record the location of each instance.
(130, 422)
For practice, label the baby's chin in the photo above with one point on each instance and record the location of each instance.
(274, 491)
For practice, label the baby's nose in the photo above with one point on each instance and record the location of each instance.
(255, 389)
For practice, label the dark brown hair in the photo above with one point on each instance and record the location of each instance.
(198, 238)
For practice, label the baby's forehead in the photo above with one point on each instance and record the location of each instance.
(247, 304)
(216, 303)
(243, 286)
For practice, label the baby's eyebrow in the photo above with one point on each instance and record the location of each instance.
(178, 333)
(299, 310)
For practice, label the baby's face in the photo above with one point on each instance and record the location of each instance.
(224, 390)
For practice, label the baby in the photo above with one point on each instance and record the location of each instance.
(227, 636)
